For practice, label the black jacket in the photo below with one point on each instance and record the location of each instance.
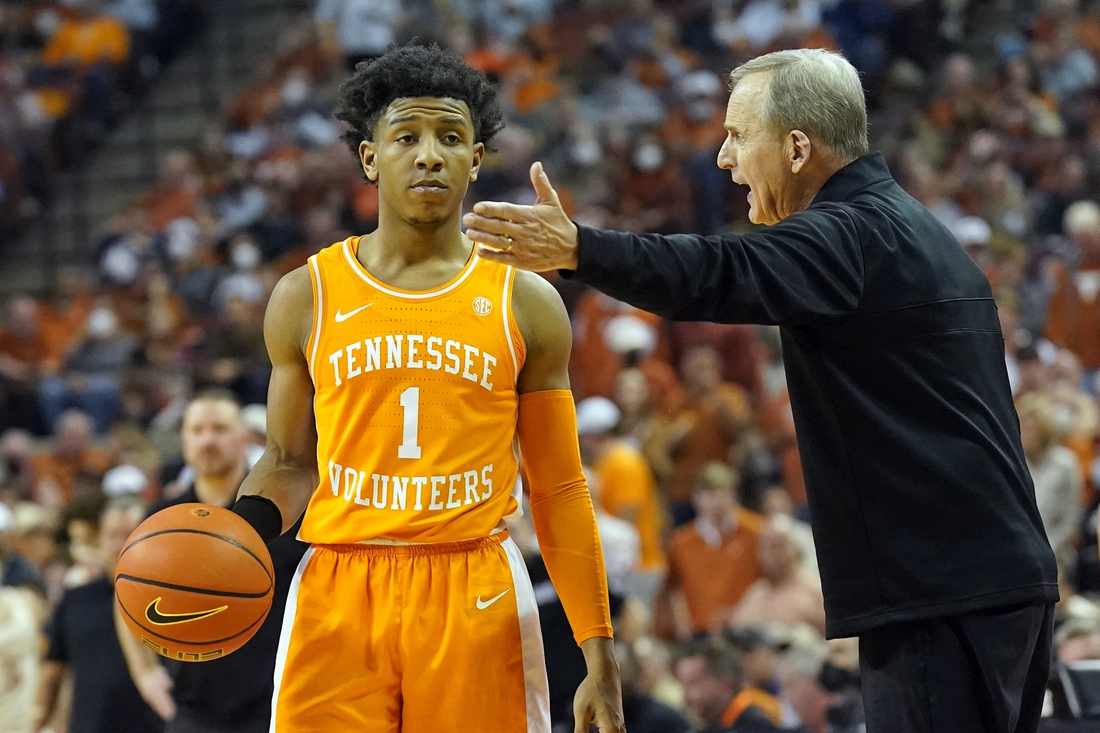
(920, 499)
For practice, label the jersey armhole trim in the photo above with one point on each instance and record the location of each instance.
(516, 346)
(318, 314)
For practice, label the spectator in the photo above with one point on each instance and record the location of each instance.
(16, 571)
(56, 470)
(823, 695)
(759, 646)
(20, 609)
(776, 502)
(362, 29)
(714, 691)
(641, 712)
(234, 356)
(712, 560)
(83, 641)
(92, 374)
(23, 351)
(627, 488)
(641, 424)
(17, 480)
(63, 316)
(82, 56)
(618, 539)
(1056, 474)
(1073, 312)
(706, 429)
(784, 594)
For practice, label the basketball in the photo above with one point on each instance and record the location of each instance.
(194, 582)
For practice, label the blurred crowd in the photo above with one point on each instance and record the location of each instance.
(68, 70)
(989, 114)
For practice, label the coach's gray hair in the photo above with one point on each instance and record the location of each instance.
(815, 91)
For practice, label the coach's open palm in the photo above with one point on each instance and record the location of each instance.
(599, 698)
(539, 238)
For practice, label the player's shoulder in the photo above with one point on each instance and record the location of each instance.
(296, 286)
(289, 318)
(539, 310)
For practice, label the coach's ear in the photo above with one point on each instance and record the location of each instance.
(479, 155)
(798, 150)
(368, 155)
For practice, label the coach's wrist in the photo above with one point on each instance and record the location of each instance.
(262, 514)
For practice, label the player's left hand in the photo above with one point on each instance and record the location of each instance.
(599, 698)
(538, 238)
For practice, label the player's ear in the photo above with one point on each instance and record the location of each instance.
(368, 157)
(479, 155)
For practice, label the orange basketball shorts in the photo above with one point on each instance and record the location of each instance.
(434, 638)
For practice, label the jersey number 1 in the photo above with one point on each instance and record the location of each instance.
(410, 401)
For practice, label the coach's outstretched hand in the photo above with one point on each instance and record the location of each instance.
(539, 238)
(599, 698)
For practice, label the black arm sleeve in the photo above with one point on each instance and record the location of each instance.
(805, 269)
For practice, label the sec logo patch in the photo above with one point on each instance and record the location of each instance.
(483, 306)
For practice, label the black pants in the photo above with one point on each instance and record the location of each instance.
(980, 672)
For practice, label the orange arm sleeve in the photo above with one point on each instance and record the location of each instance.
(561, 508)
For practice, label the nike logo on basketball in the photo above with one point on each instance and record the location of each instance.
(482, 605)
(341, 317)
(154, 614)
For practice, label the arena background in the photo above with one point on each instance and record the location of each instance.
(164, 162)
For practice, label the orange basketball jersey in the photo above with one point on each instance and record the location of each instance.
(416, 403)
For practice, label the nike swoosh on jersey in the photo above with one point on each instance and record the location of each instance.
(341, 317)
(154, 614)
(482, 605)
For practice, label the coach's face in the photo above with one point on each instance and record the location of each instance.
(423, 158)
(755, 156)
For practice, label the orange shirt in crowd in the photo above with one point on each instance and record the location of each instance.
(707, 439)
(592, 365)
(628, 491)
(736, 345)
(714, 577)
(31, 350)
(55, 476)
(1073, 314)
(86, 42)
(777, 426)
(61, 324)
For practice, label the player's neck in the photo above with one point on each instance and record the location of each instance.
(219, 490)
(398, 245)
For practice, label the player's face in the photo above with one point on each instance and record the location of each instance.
(213, 438)
(755, 156)
(423, 157)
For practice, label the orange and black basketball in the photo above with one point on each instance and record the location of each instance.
(194, 582)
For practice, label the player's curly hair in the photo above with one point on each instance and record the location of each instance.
(416, 70)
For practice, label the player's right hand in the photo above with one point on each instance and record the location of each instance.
(155, 687)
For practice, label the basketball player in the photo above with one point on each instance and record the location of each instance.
(404, 367)
(232, 693)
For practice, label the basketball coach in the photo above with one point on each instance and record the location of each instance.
(930, 545)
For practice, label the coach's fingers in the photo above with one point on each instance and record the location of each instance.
(477, 225)
(496, 255)
(541, 182)
(503, 211)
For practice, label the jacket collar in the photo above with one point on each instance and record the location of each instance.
(860, 173)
